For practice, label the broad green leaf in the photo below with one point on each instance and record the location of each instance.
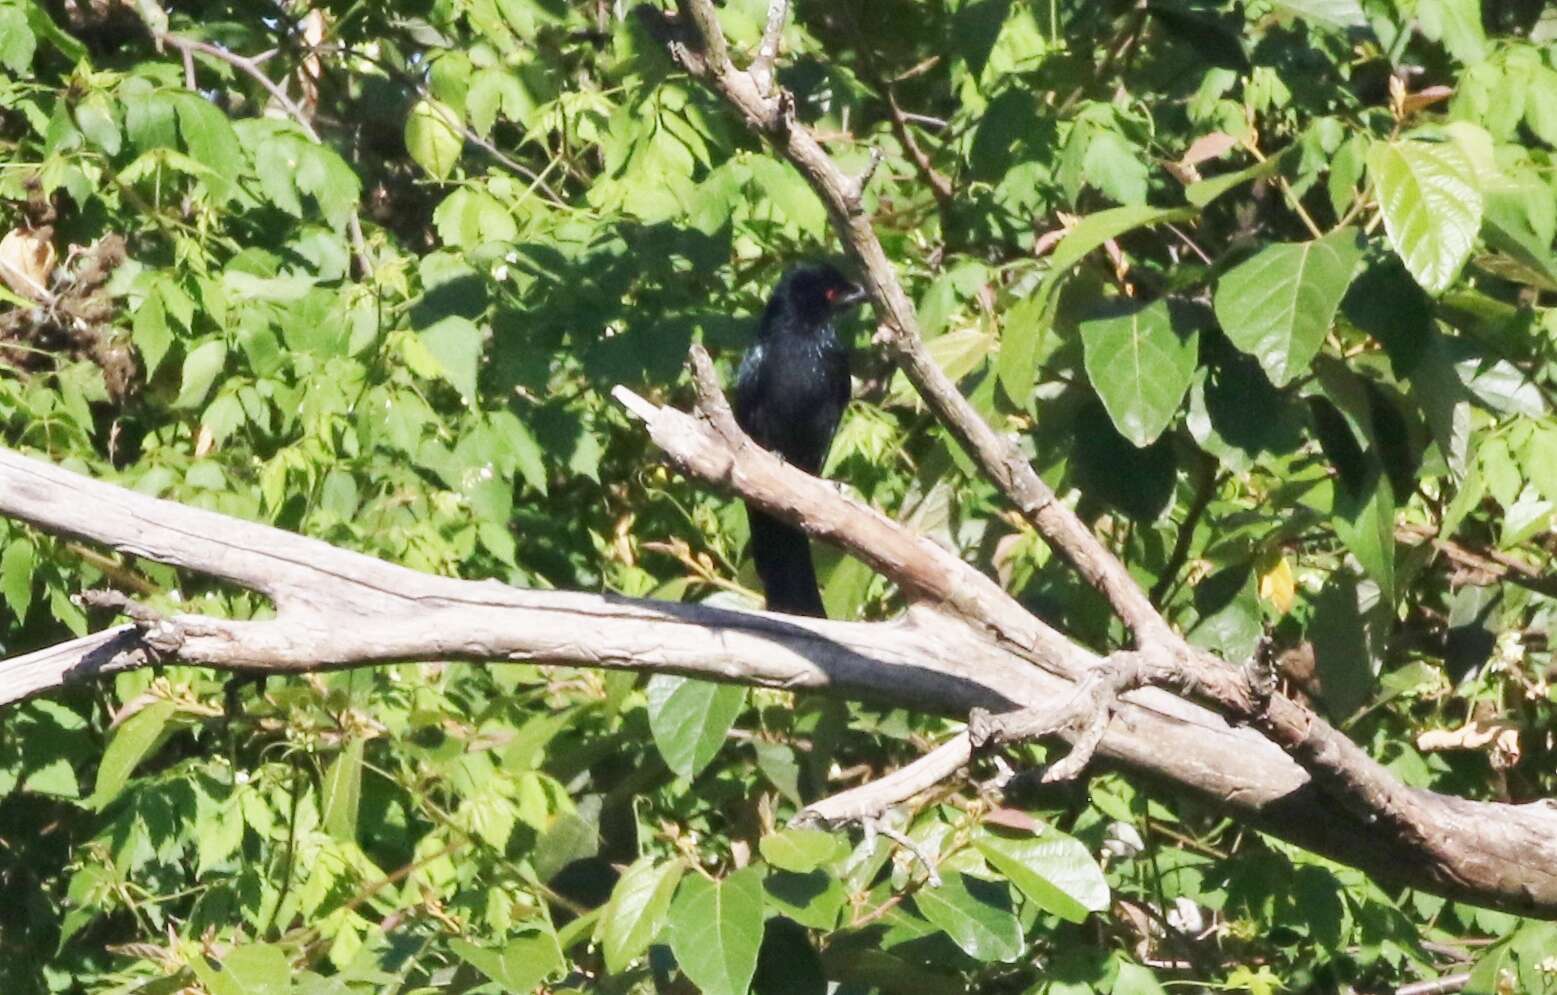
(690, 718)
(433, 137)
(716, 931)
(470, 216)
(1021, 330)
(976, 914)
(637, 910)
(1095, 229)
(957, 353)
(1330, 13)
(520, 965)
(1133, 979)
(16, 568)
(497, 89)
(17, 42)
(1524, 256)
(1278, 305)
(132, 741)
(1541, 104)
(1341, 647)
(201, 368)
(43, 27)
(1052, 869)
(1141, 363)
(1202, 192)
(151, 333)
(800, 850)
(95, 118)
(1365, 522)
(254, 969)
(814, 899)
(1432, 204)
(455, 343)
(1456, 23)
(343, 791)
(211, 141)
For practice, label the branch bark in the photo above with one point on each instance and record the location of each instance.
(340, 609)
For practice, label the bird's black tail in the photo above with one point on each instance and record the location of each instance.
(783, 555)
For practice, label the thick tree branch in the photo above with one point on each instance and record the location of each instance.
(341, 609)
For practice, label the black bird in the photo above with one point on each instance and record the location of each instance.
(790, 392)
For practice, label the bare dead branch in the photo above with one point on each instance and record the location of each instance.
(1085, 713)
(761, 67)
(869, 801)
(340, 609)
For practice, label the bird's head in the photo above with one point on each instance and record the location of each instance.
(812, 295)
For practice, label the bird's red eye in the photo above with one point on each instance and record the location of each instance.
(831, 294)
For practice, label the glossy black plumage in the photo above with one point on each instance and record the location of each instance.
(790, 392)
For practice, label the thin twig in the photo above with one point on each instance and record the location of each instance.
(870, 800)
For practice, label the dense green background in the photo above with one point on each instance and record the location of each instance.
(1330, 331)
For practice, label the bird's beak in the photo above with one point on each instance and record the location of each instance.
(851, 297)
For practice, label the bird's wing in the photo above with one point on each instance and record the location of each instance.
(748, 384)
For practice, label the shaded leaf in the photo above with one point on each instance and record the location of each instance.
(689, 719)
(716, 931)
(1141, 363)
(1278, 305)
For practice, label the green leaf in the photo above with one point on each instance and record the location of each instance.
(201, 368)
(716, 931)
(1021, 331)
(1456, 23)
(1133, 979)
(455, 344)
(1341, 647)
(255, 969)
(519, 965)
(812, 899)
(1541, 104)
(497, 89)
(210, 140)
(1095, 229)
(1329, 13)
(800, 850)
(151, 333)
(131, 743)
(17, 42)
(523, 449)
(470, 216)
(690, 718)
(1365, 522)
(16, 567)
(976, 914)
(1432, 203)
(95, 118)
(1052, 869)
(433, 137)
(343, 792)
(1141, 364)
(43, 26)
(1202, 192)
(1278, 305)
(637, 910)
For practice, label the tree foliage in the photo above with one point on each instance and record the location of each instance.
(1264, 288)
